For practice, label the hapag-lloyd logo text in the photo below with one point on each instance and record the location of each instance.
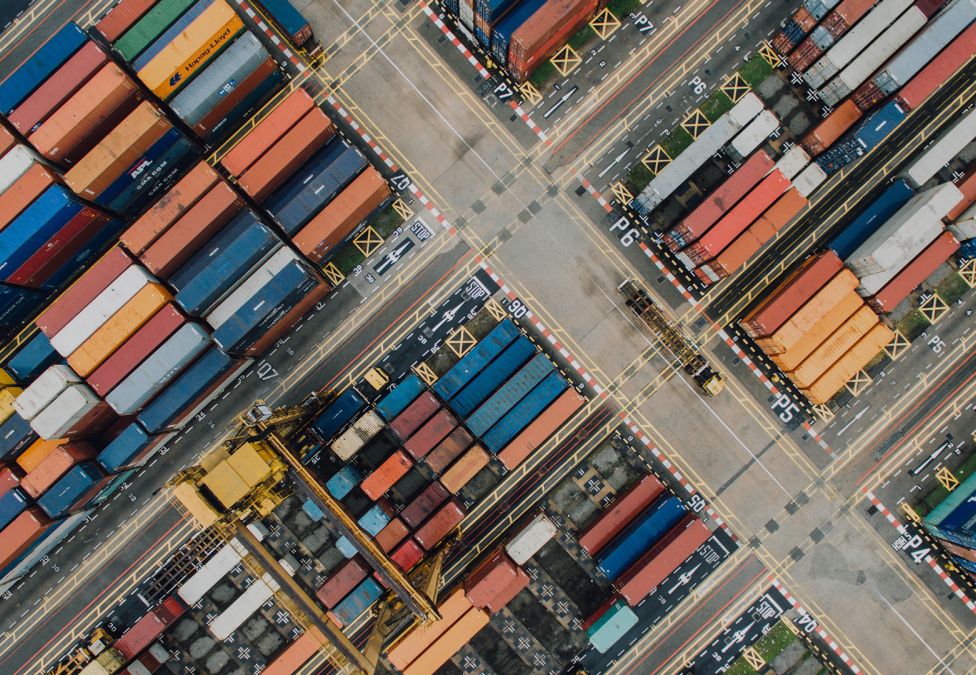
(202, 56)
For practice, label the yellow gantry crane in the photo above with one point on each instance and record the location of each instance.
(673, 337)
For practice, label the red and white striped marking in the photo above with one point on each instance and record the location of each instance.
(266, 29)
(596, 194)
(902, 530)
(476, 64)
(829, 641)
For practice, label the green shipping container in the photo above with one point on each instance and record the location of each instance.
(611, 626)
(151, 26)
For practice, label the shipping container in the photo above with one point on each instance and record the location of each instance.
(99, 277)
(832, 127)
(476, 359)
(338, 414)
(408, 554)
(243, 607)
(879, 211)
(289, 20)
(23, 531)
(640, 535)
(72, 490)
(834, 347)
(939, 70)
(611, 626)
(50, 536)
(530, 539)
(621, 513)
(28, 232)
(267, 132)
(173, 31)
(209, 575)
(143, 31)
(44, 390)
(754, 133)
(419, 637)
(501, 35)
(54, 466)
(77, 411)
(128, 450)
(439, 525)
(14, 164)
(830, 322)
(790, 294)
(488, 380)
(448, 450)
(967, 186)
(374, 520)
(399, 397)
(464, 469)
(287, 154)
(488, 578)
(376, 484)
(390, 536)
(342, 215)
(430, 434)
(357, 602)
(251, 286)
(532, 43)
(946, 147)
(526, 410)
(662, 559)
(342, 483)
(509, 394)
(291, 659)
(448, 643)
(862, 139)
(534, 435)
(30, 74)
(239, 101)
(12, 504)
(121, 17)
(15, 435)
(834, 379)
(414, 415)
(24, 191)
(913, 274)
(342, 582)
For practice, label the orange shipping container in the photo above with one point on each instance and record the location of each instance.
(297, 653)
(967, 186)
(464, 469)
(416, 640)
(117, 151)
(839, 374)
(386, 474)
(274, 125)
(142, 233)
(812, 311)
(833, 127)
(448, 644)
(54, 466)
(831, 321)
(284, 157)
(337, 220)
(23, 192)
(21, 533)
(192, 230)
(7, 139)
(36, 452)
(834, 347)
(541, 428)
(120, 327)
(78, 124)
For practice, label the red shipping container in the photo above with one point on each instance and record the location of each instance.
(967, 186)
(63, 247)
(790, 294)
(408, 555)
(135, 350)
(544, 32)
(273, 126)
(187, 192)
(664, 557)
(10, 478)
(415, 414)
(24, 191)
(914, 273)
(541, 428)
(735, 187)
(121, 17)
(449, 449)
(216, 119)
(939, 70)
(391, 535)
(424, 504)
(7, 139)
(54, 466)
(376, 484)
(628, 505)
(285, 323)
(929, 7)
(192, 230)
(867, 96)
(21, 533)
(149, 627)
(507, 594)
(85, 118)
(284, 157)
(489, 579)
(62, 84)
(804, 55)
(440, 525)
(71, 301)
(430, 434)
(340, 584)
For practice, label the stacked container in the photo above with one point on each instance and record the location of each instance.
(831, 28)
(542, 34)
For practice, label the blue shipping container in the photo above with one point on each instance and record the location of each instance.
(489, 379)
(12, 505)
(398, 398)
(32, 359)
(344, 481)
(15, 435)
(286, 16)
(501, 35)
(107, 235)
(968, 565)
(275, 314)
(638, 537)
(315, 185)
(345, 547)
(243, 110)
(880, 210)
(166, 37)
(183, 392)
(339, 413)
(40, 221)
(510, 393)
(119, 188)
(354, 604)
(492, 10)
(72, 490)
(313, 511)
(18, 304)
(374, 520)
(124, 450)
(612, 626)
(525, 411)
(32, 73)
(153, 175)
(474, 361)
(863, 138)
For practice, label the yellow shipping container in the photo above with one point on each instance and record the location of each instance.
(834, 347)
(795, 355)
(5, 379)
(248, 463)
(224, 483)
(7, 397)
(839, 374)
(120, 327)
(812, 311)
(448, 644)
(192, 49)
(37, 452)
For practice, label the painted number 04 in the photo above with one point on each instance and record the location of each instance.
(629, 235)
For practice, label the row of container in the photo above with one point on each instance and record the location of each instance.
(953, 523)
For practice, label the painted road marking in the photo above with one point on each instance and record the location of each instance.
(829, 641)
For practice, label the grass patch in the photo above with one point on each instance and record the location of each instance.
(348, 257)
(579, 39)
(952, 288)
(637, 178)
(717, 104)
(543, 76)
(912, 325)
(386, 221)
(623, 8)
(676, 142)
(740, 667)
(755, 71)
(775, 641)
(938, 493)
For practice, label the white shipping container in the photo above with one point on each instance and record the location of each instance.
(757, 131)
(748, 107)
(91, 317)
(809, 179)
(940, 153)
(793, 161)
(466, 10)
(208, 576)
(243, 607)
(47, 387)
(254, 283)
(70, 407)
(347, 444)
(685, 260)
(527, 543)
(897, 34)
(14, 164)
(369, 424)
(905, 234)
(965, 226)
